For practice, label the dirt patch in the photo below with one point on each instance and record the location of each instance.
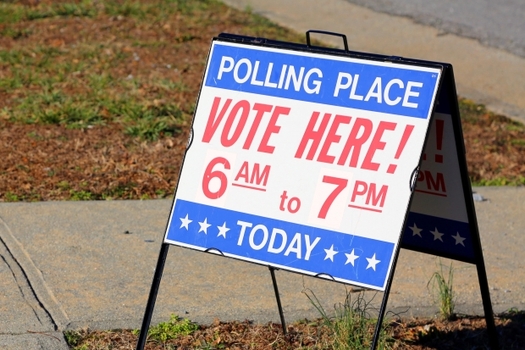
(50, 162)
(415, 334)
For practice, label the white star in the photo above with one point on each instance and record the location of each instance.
(204, 226)
(185, 222)
(437, 235)
(330, 253)
(416, 231)
(372, 262)
(459, 239)
(350, 258)
(222, 230)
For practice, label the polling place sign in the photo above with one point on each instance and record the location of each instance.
(303, 160)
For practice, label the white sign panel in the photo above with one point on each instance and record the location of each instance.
(303, 161)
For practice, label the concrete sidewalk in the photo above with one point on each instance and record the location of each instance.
(70, 265)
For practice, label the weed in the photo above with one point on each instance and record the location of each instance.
(171, 329)
(63, 185)
(11, 197)
(441, 284)
(352, 325)
(73, 338)
(161, 193)
(122, 191)
(80, 195)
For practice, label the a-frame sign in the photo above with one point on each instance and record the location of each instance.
(306, 159)
(442, 218)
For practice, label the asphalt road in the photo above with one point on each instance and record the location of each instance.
(499, 24)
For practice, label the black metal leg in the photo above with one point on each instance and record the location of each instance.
(386, 294)
(152, 296)
(278, 298)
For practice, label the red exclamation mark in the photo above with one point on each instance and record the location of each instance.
(406, 134)
(440, 124)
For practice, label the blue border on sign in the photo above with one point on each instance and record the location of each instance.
(270, 78)
(305, 249)
(438, 236)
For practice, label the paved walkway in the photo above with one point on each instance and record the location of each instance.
(69, 265)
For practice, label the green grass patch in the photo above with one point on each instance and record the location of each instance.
(15, 12)
(11, 13)
(441, 285)
(81, 195)
(352, 324)
(171, 329)
(73, 338)
(47, 89)
(11, 197)
(500, 181)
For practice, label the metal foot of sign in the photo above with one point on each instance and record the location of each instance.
(303, 159)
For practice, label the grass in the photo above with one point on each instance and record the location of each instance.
(500, 181)
(495, 146)
(352, 325)
(93, 105)
(171, 329)
(441, 285)
(159, 334)
(83, 86)
(11, 12)
(73, 338)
